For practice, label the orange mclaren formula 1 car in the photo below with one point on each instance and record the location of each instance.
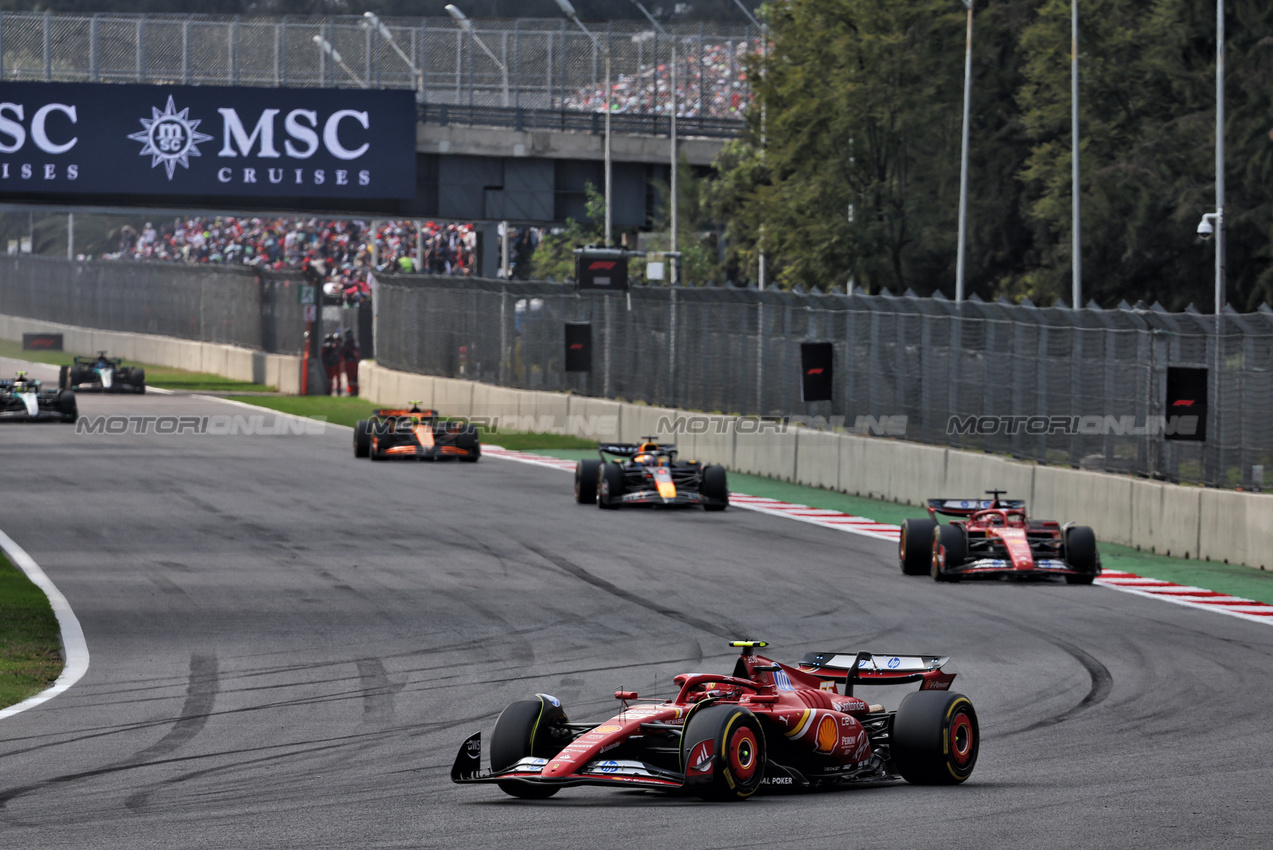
(648, 473)
(415, 434)
(994, 538)
(766, 726)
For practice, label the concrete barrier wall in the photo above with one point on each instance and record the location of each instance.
(241, 364)
(1191, 522)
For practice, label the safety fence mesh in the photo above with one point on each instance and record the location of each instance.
(256, 309)
(520, 63)
(1080, 388)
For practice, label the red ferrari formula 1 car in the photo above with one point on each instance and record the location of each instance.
(648, 473)
(995, 538)
(767, 725)
(415, 434)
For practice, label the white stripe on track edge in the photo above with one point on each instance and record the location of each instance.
(73, 645)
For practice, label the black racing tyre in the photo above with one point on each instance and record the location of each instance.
(67, 406)
(1080, 554)
(953, 539)
(468, 438)
(372, 450)
(915, 548)
(528, 728)
(362, 438)
(136, 377)
(609, 486)
(586, 472)
(723, 753)
(935, 738)
(74, 377)
(63, 378)
(715, 487)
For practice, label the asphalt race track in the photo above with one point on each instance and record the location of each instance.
(288, 647)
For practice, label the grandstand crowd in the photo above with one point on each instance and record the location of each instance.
(344, 247)
(716, 87)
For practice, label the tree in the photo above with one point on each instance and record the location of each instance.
(555, 258)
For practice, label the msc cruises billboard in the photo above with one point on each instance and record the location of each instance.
(103, 139)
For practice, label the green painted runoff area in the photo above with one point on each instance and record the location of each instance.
(1222, 578)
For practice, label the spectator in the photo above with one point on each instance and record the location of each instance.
(331, 352)
(350, 355)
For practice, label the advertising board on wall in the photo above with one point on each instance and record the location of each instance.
(66, 139)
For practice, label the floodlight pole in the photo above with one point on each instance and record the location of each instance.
(963, 163)
(569, 11)
(1075, 192)
(467, 26)
(675, 243)
(764, 46)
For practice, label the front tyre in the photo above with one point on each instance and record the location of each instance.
(715, 488)
(723, 753)
(529, 728)
(1080, 555)
(610, 486)
(950, 548)
(935, 738)
(915, 547)
(586, 472)
(362, 438)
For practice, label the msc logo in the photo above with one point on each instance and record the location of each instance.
(170, 137)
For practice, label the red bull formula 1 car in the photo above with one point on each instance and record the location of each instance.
(647, 473)
(765, 726)
(415, 434)
(995, 538)
(102, 374)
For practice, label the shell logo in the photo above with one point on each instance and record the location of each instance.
(828, 734)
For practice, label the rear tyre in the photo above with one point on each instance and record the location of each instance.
(715, 487)
(362, 438)
(723, 753)
(609, 486)
(586, 472)
(915, 548)
(935, 738)
(1080, 554)
(951, 539)
(529, 728)
(63, 378)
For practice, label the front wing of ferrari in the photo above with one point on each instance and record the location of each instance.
(612, 772)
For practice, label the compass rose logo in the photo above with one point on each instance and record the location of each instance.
(170, 137)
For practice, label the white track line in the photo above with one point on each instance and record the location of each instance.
(73, 645)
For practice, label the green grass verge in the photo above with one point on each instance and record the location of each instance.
(30, 642)
(342, 410)
(1223, 578)
(164, 377)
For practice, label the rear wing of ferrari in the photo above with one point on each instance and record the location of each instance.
(968, 507)
(872, 668)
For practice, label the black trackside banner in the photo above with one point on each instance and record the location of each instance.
(94, 139)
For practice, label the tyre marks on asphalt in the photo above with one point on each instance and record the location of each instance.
(201, 693)
(726, 631)
(377, 691)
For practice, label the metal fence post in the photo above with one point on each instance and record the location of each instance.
(503, 334)
(2, 44)
(93, 70)
(48, 48)
(609, 314)
(517, 65)
(760, 356)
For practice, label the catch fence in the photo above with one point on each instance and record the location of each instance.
(234, 305)
(1082, 388)
(531, 64)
